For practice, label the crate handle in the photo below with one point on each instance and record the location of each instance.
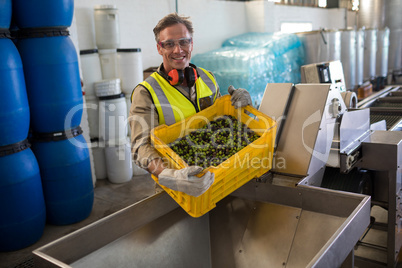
(174, 160)
(253, 116)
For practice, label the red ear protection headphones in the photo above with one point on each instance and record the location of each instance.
(176, 77)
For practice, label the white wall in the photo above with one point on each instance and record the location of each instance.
(266, 16)
(213, 20)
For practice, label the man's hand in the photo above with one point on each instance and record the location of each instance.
(240, 97)
(184, 180)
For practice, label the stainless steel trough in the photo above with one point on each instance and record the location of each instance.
(259, 225)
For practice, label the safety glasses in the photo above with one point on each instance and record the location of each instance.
(170, 44)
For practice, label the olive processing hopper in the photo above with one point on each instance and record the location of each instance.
(286, 227)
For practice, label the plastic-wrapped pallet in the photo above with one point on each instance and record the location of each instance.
(252, 60)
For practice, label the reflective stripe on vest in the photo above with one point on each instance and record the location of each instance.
(164, 109)
(208, 80)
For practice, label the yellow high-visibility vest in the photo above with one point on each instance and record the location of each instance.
(171, 104)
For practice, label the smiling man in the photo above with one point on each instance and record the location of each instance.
(178, 89)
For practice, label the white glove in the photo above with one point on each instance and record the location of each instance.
(184, 180)
(240, 97)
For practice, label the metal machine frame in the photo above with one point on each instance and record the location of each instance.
(355, 144)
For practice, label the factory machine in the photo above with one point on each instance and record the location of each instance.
(382, 160)
(385, 108)
(365, 158)
(293, 216)
(324, 73)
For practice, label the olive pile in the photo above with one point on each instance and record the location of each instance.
(214, 143)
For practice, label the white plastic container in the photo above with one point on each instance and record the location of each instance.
(92, 109)
(91, 69)
(112, 118)
(128, 102)
(86, 134)
(107, 87)
(119, 161)
(108, 62)
(129, 68)
(107, 29)
(98, 152)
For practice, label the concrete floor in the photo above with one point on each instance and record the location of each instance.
(109, 198)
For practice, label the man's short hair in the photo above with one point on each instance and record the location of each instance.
(172, 19)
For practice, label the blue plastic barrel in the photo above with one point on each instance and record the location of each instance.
(14, 108)
(66, 176)
(22, 209)
(5, 14)
(43, 13)
(52, 79)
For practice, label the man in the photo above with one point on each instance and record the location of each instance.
(175, 91)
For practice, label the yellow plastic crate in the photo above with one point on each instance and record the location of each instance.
(250, 162)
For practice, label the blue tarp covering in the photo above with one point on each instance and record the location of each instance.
(252, 60)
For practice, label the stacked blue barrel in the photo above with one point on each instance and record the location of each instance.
(22, 205)
(51, 70)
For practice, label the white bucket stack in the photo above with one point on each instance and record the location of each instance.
(129, 68)
(130, 71)
(92, 107)
(108, 60)
(110, 74)
(112, 110)
(91, 73)
(86, 133)
(113, 130)
(91, 69)
(107, 28)
(118, 160)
